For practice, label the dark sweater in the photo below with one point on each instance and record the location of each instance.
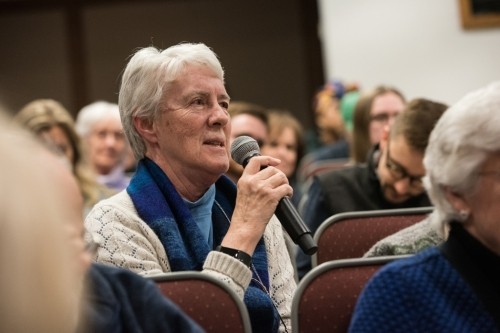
(120, 301)
(428, 293)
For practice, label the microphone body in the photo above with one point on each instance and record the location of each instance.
(242, 150)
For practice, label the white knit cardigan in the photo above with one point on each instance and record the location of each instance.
(127, 241)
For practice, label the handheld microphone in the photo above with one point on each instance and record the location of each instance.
(242, 150)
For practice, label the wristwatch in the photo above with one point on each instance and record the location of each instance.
(240, 255)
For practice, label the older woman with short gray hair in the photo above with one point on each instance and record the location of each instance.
(180, 212)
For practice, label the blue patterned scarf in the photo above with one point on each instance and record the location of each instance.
(161, 207)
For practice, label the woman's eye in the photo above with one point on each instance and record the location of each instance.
(224, 105)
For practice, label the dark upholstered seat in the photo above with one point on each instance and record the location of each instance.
(326, 295)
(212, 304)
(351, 235)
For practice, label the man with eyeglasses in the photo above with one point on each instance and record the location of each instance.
(392, 177)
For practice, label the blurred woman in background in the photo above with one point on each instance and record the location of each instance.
(285, 141)
(53, 124)
(374, 111)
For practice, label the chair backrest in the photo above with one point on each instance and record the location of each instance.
(326, 296)
(308, 169)
(211, 303)
(352, 234)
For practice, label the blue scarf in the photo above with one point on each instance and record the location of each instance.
(161, 207)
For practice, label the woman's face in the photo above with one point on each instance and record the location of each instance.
(191, 136)
(484, 219)
(384, 110)
(106, 145)
(58, 137)
(284, 147)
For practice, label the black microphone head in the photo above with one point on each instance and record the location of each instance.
(243, 148)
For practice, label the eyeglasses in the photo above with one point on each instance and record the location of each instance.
(383, 117)
(399, 172)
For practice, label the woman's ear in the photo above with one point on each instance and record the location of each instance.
(457, 201)
(146, 129)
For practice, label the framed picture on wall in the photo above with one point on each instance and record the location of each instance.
(480, 13)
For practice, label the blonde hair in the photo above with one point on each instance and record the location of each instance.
(279, 120)
(43, 114)
(39, 286)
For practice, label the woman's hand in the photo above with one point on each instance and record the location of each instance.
(260, 188)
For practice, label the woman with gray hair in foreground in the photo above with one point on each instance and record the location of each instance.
(454, 287)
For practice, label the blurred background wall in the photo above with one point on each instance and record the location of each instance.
(419, 46)
(75, 50)
(275, 53)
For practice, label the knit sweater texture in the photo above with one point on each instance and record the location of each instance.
(127, 241)
(409, 240)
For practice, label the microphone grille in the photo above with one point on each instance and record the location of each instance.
(244, 147)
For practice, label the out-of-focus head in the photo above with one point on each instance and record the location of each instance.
(50, 121)
(386, 104)
(246, 119)
(147, 81)
(285, 141)
(374, 111)
(463, 162)
(42, 280)
(327, 113)
(347, 106)
(400, 169)
(100, 127)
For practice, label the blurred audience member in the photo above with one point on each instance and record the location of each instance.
(81, 297)
(105, 145)
(391, 179)
(374, 111)
(328, 116)
(180, 212)
(331, 114)
(454, 287)
(246, 119)
(53, 124)
(410, 240)
(329, 121)
(285, 141)
(40, 283)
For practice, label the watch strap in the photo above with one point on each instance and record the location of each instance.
(240, 255)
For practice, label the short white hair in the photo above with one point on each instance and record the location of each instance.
(93, 113)
(459, 144)
(146, 81)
